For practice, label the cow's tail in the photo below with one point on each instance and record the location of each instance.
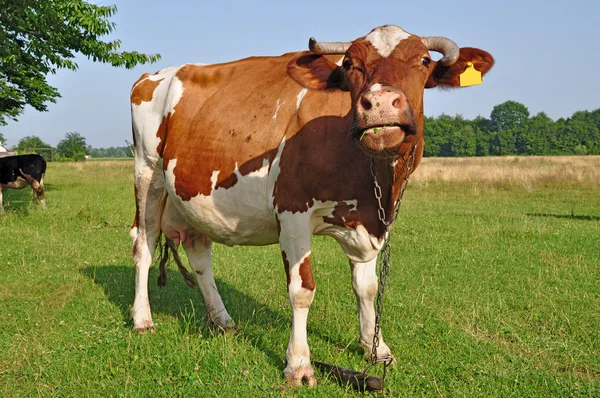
(165, 246)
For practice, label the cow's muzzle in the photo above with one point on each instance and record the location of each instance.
(384, 122)
(386, 141)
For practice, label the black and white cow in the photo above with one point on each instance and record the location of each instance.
(20, 171)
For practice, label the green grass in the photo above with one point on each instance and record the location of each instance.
(493, 292)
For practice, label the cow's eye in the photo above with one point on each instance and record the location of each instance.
(347, 64)
(425, 61)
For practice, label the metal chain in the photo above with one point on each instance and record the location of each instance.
(384, 259)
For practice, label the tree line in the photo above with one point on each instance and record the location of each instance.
(72, 147)
(511, 131)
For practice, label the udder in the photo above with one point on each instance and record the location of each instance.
(175, 227)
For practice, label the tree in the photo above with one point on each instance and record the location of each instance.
(436, 131)
(2, 139)
(509, 115)
(73, 146)
(535, 140)
(463, 142)
(38, 37)
(481, 129)
(34, 144)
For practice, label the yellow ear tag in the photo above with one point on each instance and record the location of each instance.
(470, 76)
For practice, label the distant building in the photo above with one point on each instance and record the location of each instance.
(5, 152)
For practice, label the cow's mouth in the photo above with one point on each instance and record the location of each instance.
(384, 141)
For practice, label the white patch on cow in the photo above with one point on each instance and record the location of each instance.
(239, 215)
(339, 63)
(277, 106)
(375, 87)
(133, 233)
(300, 97)
(174, 95)
(214, 178)
(386, 38)
(274, 173)
(148, 115)
(357, 243)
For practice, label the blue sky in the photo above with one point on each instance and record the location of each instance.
(546, 53)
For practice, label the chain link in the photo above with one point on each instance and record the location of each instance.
(384, 258)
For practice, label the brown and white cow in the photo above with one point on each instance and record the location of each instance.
(269, 150)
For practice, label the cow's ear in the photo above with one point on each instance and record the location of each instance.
(316, 72)
(449, 76)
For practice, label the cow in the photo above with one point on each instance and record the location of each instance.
(273, 150)
(20, 171)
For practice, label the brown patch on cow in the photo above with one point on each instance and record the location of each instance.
(344, 215)
(286, 266)
(306, 274)
(228, 182)
(161, 133)
(197, 131)
(245, 169)
(143, 89)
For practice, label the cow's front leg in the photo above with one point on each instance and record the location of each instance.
(295, 248)
(364, 283)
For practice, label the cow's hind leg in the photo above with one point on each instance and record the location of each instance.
(364, 283)
(150, 199)
(198, 248)
(199, 253)
(1, 206)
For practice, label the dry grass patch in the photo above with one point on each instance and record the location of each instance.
(498, 172)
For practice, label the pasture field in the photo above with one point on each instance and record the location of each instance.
(494, 292)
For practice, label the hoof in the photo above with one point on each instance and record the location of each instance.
(226, 327)
(383, 351)
(299, 377)
(148, 327)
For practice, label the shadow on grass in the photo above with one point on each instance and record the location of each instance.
(567, 216)
(17, 200)
(257, 322)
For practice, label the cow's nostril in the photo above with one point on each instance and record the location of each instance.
(365, 103)
(397, 102)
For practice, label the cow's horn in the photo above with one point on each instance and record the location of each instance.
(444, 46)
(329, 47)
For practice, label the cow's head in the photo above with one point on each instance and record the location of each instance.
(386, 73)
